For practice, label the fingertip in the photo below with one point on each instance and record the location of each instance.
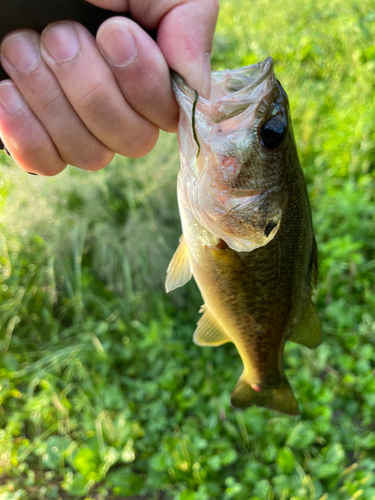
(100, 161)
(117, 42)
(185, 36)
(10, 98)
(140, 69)
(4, 148)
(24, 136)
(60, 43)
(146, 145)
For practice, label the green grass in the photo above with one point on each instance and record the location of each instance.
(102, 392)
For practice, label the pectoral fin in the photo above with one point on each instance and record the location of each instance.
(208, 332)
(179, 270)
(309, 330)
(280, 398)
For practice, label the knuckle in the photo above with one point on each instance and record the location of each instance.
(56, 102)
(34, 147)
(95, 99)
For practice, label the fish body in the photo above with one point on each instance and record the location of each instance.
(247, 232)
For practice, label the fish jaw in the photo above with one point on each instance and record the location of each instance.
(243, 210)
(220, 120)
(232, 91)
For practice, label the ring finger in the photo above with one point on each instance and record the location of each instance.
(20, 57)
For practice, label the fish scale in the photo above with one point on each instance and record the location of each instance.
(248, 239)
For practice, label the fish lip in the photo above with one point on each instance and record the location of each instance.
(259, 76)
(265, 67)
(181, 85)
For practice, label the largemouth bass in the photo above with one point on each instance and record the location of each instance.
(247, 232)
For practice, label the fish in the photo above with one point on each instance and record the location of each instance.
(248, 237)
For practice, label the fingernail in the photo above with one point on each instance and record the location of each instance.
(4, 148)
(20, 51)
(206, 76)
(11, 100)
(61, 42)
(117, 44)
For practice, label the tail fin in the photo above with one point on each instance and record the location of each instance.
(280, 398)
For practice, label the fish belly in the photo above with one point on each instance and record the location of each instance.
(239, 291)
(255, 298)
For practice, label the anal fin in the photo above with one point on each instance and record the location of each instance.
(179, 270)
(279, 398)
(208, 332)
(308, 332)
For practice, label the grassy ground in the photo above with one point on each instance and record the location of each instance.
(103, 394)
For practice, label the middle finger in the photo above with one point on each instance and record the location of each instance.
(72, 54)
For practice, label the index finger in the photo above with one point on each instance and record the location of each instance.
(185, 31)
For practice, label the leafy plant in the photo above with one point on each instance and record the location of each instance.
(102, 392)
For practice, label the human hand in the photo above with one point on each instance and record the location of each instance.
(73, 100)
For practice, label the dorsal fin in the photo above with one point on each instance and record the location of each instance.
(308, 332)
(179, 270)
(208, 332)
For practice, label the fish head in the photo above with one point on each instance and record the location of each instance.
(236, 185)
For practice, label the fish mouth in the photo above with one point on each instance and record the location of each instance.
(179, 83)
(232, 91)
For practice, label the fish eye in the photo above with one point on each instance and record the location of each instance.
(273, 132)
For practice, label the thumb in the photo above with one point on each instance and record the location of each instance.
(185, 37)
